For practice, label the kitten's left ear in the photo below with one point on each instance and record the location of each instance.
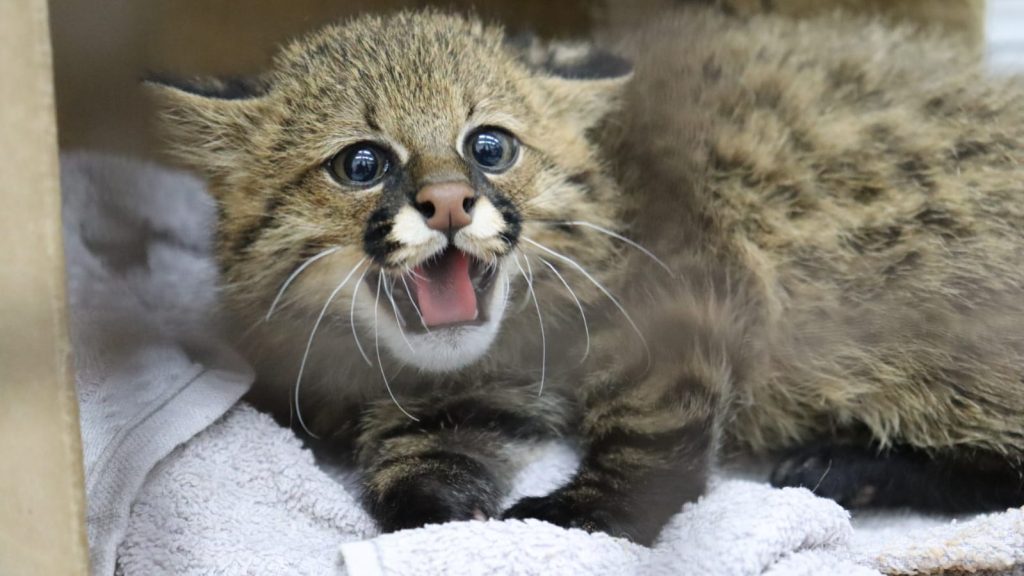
(585, 82)
(208, 120)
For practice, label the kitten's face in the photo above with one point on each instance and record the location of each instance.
(412, 162)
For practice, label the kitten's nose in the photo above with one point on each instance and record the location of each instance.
(446, 205)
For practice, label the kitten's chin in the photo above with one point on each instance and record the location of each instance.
(446, 349)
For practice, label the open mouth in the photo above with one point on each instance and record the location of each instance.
(450, 289)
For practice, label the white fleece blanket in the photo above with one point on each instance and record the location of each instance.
(181, 482)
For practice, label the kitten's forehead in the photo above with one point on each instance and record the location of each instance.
(407, 75)
(405, 58)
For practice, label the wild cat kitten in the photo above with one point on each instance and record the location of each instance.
(437, 242)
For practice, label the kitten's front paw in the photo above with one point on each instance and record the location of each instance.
(562, 509)
(417, 500)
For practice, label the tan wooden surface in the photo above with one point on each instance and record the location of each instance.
(41, 497)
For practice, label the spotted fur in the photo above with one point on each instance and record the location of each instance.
(838, 204)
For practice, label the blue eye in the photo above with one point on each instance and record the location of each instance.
(361, 164)
(492, 149)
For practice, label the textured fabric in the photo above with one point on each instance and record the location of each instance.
(911, 544)
(149, 370)
(241, 498)
(245, 497)
(739, 528)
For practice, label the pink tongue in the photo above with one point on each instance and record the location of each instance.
(444, 290)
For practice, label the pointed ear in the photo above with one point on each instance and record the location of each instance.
(208, 121)
(585, 82)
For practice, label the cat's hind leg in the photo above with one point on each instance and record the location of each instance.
(866, 477)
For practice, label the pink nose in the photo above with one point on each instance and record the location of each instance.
(446, 206)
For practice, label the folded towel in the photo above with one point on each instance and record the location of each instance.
(179, 482)
(149, 369)
(245, 497)
(908, 544)
(738, 528)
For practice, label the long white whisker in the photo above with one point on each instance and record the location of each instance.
(376, 345)
(309, 343)
(414, 306)
(352, 318)
(540, 322)
(291, 278)
(600, 287)
(583, 316)
(540, 319)
(622, 238)
(399, 371)
(526, 296)
(399, 319)
(420, 276)
(508, 288)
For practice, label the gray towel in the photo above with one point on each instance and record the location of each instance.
(245, 498)
(149, 368)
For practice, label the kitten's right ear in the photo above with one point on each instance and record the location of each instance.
(584, 81)
(208, 121)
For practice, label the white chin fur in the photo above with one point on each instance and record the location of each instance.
(444, 349)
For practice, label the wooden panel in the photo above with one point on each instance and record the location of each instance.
(41, 495)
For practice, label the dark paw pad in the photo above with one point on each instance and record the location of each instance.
(564, 510)
(898, 477)
(840, 474)
(427, 499)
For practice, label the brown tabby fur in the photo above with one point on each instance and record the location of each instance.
(840, 203)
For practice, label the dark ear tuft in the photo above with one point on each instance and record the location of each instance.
(521, 43)
(584, 83)
(230, 88)
(569, 60)
(208, 123)
(594, 65)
